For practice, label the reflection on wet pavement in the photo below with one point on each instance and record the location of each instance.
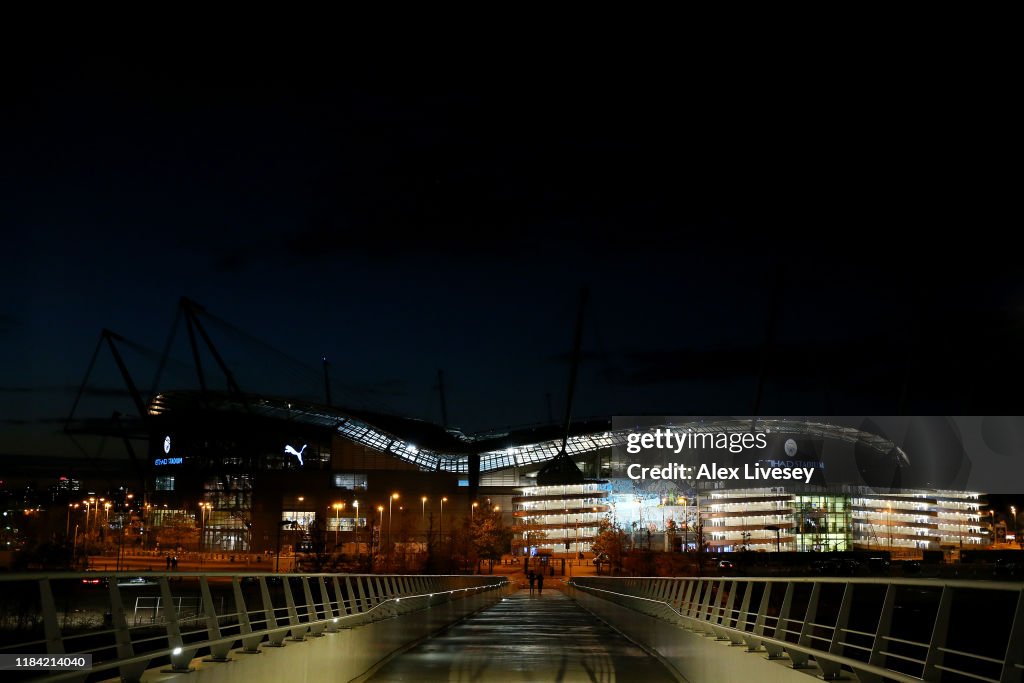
(524, 638)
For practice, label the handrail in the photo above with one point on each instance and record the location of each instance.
(709, 605)
(364, 599)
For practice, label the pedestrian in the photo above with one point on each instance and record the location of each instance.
(533, 579)
(168, 563)
(174, 562)
(540, 583)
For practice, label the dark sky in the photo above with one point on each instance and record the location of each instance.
(402, 225)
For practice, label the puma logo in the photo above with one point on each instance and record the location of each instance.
(297, 453)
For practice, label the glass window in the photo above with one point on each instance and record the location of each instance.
(302, 518)
(165, 483)
(353, 482)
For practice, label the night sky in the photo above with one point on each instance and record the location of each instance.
(399, 226)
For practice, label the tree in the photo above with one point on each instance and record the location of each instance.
(178, 531)
(610, 544)
(489, 536)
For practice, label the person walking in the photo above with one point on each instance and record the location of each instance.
(540, 583)
(533, 579)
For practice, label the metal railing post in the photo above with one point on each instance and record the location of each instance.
(705, 611)
(341, 609)
(364, 601)
(743, 618)
(940, 630)
(51, 627)
(374, 600)
(687, 605)
(313, 614)
(754, 643)
(276, 637)
(250, 643)
(831, 670)
(716, 618)
(1013, 662)
(799, 658)
(130, 673)
(218, 652)
(180, 662)
(329, 611)
(298, 630)
(775, 650)
(877, 657)
(730, 615)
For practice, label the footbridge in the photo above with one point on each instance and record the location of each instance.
(218, 627)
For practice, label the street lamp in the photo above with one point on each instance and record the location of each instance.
(90, 502)
(67, 523)
(889, 524)
(337, 521)
(1013, 513)
(355, 504)
(472, 511)
(423, 510)
(204, 508)
(380, 527)
(440, 522)
(394, 497)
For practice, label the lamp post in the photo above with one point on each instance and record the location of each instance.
(889, 524)
(67, 523)
(472, 511)
(380, 528)
(90, 502)
(394, 497)
(1013, 514)
(355, 504)
(423, 510)
(440, 522)
(337, 520)
(204, 508)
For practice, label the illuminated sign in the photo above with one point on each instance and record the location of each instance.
(160, 462)
(297, 453)
(167, 444)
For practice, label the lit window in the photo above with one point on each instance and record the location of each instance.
(353, 482)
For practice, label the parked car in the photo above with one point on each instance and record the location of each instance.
(726, 564)
(95, 581)
(131, 581)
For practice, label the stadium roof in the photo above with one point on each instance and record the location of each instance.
(434, 448)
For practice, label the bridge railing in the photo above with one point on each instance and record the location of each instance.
(87, 613)
(881, 629)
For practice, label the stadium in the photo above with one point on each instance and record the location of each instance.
(248, 465)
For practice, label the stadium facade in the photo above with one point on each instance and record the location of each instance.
(251, 466)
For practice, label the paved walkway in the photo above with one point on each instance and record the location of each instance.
(524, 638)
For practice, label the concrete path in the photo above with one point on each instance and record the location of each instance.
(526, 638)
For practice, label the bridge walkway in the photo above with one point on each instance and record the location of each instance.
(534, 638)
